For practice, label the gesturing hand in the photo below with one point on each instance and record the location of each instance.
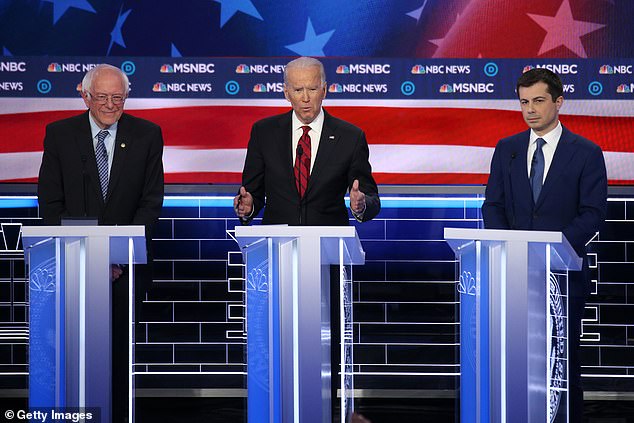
(357, 198)
(243, 203)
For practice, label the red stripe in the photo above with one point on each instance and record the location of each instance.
(229, 126)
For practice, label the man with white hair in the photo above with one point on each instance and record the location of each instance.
(300, 165)
(107, 165)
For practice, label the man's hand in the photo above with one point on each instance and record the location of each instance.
(117, 271)
(357, 198)
(243, 203)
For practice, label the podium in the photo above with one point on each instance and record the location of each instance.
(513, 324)
(70, 358)
(288, 319)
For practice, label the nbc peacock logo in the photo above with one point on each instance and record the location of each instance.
(446, 88)
(242, 68)
(606, 70)
(54, 67)
(159, 87)
(335, 88)
(418, 70)
(167, 68)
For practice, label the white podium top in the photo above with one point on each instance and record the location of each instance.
(457, 238)
(246, 235)
(118, 236)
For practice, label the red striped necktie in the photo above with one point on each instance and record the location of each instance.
(302, 162)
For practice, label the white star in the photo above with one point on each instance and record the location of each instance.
(563, 30)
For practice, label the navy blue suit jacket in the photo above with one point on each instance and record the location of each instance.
(573, 199)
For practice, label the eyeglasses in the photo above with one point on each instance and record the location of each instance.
(103, 98)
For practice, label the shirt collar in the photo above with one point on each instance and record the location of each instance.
(95, 129)
(551, 138)
(315, 125)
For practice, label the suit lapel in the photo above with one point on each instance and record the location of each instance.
(87, 152)
(284, 146)
(563, 154)
(519, 170)
(327, 144)
(122, 144)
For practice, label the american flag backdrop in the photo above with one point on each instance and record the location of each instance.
(431, 124)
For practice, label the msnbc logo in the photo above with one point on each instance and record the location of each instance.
(624, 89)
(159, 87)
(167, 69)
(259, 88)
(418, 70)
(527, 68)
(343, 69)
(446, 88)
(243, 69)
(54, 67)
(335, 88)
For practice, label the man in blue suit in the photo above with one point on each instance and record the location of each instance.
(550, 179)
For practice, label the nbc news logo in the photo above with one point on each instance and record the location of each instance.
(615, 70)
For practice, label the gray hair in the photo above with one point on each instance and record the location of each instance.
(86, 83)
(305, 62)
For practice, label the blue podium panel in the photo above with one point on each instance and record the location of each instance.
(70, 351)
(288, 320)
(513, 327)
(46, 326)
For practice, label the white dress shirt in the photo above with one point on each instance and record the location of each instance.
(315, 134)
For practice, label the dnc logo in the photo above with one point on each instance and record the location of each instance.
(54, 67)
(335, 88)
(343, 69)
(159, 87)
(167, 69)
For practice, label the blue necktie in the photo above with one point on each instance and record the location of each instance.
(537, 169)
(102, 162)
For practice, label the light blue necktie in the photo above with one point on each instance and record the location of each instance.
(102, 162)
(537, 169)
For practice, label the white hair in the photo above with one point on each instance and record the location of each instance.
(86, 83)
(305, 62)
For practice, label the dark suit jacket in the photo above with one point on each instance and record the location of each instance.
(68, 184)
(341, 158)
(573, 199)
